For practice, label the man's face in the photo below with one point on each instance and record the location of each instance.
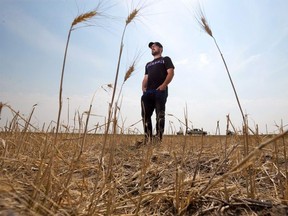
(156, 50)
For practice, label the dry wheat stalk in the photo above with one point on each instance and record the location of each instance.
(201, 19)
(79, 19)
(84, 17)
(129, 72)
(133, 170)
(16, 114)
(244, 162)
(129, 19)
(132, 16)
(248, 160)
(1, 106)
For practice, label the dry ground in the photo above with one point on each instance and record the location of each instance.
(78, 175)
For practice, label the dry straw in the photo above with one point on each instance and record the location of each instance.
(81, 19)
(18, 115)
(1, 106)
(150, 180)
(117, 106)
(130, 18)
(247, 161)
(109, 171)
(244, 162)
(201, 19)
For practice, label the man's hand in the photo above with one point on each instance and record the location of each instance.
(161, 88)
(169, 77)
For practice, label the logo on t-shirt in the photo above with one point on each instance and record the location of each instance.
(159, 61)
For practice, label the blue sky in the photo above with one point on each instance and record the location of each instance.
(251, 34)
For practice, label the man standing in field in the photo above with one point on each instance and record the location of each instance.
(158, 74)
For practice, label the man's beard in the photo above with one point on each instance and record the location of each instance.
(155, 53)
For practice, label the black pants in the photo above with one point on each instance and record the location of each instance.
(153, 100)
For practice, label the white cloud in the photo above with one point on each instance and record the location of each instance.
(203, 60)
(182, 62)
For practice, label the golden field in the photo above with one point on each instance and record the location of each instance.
(75, 174)
(56, 173)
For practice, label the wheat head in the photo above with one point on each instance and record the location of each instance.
(129, 72)
(200, 17)
(84, 17)
(132, 16)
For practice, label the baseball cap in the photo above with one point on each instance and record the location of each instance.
(156, 43)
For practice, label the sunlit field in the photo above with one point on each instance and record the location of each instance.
(61, 169)
(183, 175)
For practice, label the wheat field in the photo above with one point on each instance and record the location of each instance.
(85, 173)
(183, 175)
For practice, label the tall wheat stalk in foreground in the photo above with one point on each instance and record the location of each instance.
(81, 19)
(129, 19)
(78, 20)
(92, 207)
(201, 19)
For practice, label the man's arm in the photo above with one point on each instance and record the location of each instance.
(144, 83)
(169, 77)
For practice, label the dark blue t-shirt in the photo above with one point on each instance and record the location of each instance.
(157, 71)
